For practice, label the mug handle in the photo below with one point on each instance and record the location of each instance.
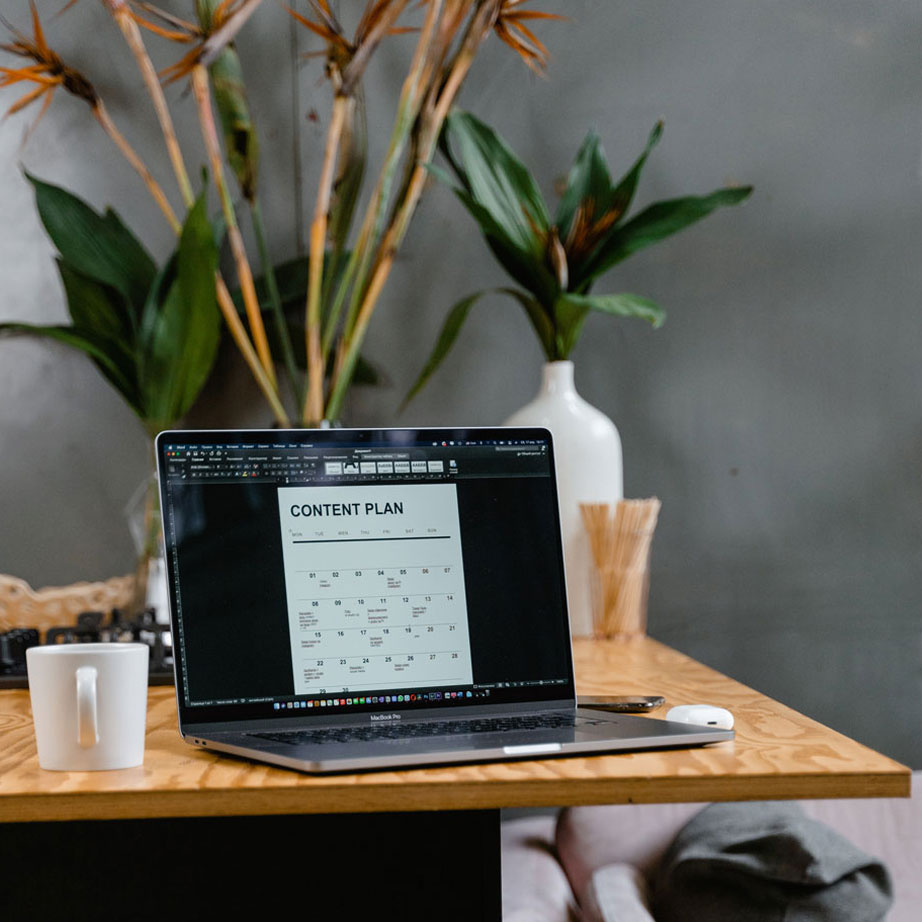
(87, 726)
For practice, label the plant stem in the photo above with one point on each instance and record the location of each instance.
(298, 196)
(135, 42)
(345, 85)
(313, 405)
(362, 257)
(407, 110)
(275, 299)
(128, 152)
(391, 11)
(202, 93)
(351, 343)
(225, 302)
(353, 156)
(242, 340)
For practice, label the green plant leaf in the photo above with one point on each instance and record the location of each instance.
(571, 311)
(503, 199)
(620, 305)
(655, 223)
(182, 324)
(94, 306)
(163, 281)
(590, 190)
(524, 266)
(198, 264)
(569, 316)
(498, 182)
(98, 246)
(447, 336)
(623, 194)
(366, 373)
(541, 319)
(589, 179)
(160, 381)
(86, 343)
(98, 312)
(291, 278)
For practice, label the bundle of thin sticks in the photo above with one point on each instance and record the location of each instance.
(620, 546)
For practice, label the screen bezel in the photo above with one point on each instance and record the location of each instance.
(249, 714)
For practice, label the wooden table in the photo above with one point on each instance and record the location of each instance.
(777, 753)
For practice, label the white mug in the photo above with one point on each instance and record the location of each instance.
(89, 704)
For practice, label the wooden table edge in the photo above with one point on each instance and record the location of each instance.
(453, 795)
(527, 784)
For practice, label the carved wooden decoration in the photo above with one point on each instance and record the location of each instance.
(23, 606)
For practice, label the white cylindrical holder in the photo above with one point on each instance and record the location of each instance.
(89, 704)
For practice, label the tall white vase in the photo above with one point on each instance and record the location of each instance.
(587, 450)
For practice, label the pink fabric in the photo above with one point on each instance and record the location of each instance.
(593, 837)
(617, 893)
(535, 888)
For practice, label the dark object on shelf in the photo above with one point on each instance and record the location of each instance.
(13, 646)
(86, 630)
(91, 627)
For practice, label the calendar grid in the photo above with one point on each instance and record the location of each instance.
(367, 608)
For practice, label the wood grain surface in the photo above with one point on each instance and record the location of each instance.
(777, 753)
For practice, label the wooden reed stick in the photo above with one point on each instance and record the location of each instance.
(620, 547)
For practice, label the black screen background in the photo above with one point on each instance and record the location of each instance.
(232, 584)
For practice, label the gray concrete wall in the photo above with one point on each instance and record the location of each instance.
(776, 414)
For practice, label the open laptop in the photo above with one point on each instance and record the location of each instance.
(347, 599)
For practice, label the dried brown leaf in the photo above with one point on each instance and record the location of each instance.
(511, 30)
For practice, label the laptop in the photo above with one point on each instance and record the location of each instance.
(352, 599)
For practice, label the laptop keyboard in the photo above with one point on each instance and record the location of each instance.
(429, 728)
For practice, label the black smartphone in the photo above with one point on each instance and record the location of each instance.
(625, 704)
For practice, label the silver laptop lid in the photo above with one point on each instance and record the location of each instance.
(327, 573)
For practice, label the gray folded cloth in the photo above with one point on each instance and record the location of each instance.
(767, 862)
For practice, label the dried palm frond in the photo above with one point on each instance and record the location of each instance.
(47, 73)
(174, 30)
(378, 19)
(510, 28)
(210, 36)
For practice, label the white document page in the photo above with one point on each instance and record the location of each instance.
(375, 587)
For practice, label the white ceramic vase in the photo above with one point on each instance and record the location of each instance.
(587, 451)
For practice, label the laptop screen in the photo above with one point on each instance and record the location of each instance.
(335, 572)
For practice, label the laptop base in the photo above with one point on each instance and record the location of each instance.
(596, 733)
